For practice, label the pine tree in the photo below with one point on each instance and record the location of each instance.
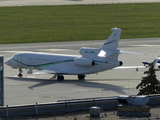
(149, 84)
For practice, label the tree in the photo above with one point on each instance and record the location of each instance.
(149, 84)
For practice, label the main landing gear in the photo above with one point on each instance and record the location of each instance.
(81, 77)
(60, 77)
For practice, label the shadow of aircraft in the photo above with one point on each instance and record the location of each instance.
(81, 83)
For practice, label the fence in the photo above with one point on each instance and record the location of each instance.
(67, 106)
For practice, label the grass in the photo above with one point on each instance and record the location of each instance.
(30, 24)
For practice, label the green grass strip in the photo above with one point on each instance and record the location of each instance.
(30, 24)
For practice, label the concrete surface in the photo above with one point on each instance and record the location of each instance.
(38, 88)
(67, 2)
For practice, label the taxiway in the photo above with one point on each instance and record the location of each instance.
(39, 88)
(67, 2)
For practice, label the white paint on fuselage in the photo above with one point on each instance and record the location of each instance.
(88, 62)
(56, 62)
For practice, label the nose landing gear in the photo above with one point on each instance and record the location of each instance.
(20, 72)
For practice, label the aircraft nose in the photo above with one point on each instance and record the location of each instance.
(7, 62)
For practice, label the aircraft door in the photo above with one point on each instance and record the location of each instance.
(19, 61)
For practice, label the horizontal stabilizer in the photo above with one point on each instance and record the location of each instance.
(122, 51)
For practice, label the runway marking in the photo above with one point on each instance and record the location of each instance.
(144, 45)
(35, 50)
(52, 49)
(13, 51)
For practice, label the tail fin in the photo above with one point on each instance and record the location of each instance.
(108, 49)
(113, 40)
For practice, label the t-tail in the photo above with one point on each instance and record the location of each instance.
(109, 48)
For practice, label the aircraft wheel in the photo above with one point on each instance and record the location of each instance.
(20, 75)
(81, 77)
(60, 78)
(20, 72)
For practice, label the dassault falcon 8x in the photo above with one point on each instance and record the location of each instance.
(91, 60)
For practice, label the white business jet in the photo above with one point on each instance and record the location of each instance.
(91, 60)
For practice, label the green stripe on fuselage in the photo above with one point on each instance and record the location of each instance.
(52, 63)
(46, 64)
(109, 42)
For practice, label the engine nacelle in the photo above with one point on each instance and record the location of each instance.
(84, 62)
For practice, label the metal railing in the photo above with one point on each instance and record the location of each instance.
(67, 106)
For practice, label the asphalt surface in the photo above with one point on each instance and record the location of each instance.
(38, 88)
(67, 2)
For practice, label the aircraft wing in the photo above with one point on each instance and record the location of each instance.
(44, 72)
(47, 72)
(122, 51)
(129, 67)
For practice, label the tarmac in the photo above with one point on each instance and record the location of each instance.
(31, 89)
(67, 2)
(38, 88)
